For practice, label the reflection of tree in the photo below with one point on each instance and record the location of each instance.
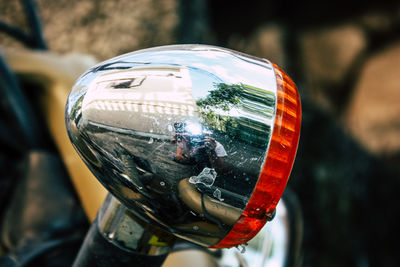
(215, 107)
(224, 97)
(239, 110)
(76, 110)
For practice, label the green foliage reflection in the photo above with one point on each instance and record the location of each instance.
(239, 111)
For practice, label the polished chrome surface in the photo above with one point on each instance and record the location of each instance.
(178, 134)
(121, 227)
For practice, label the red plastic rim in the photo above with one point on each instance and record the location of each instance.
(277, 165)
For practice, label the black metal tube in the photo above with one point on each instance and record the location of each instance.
(118, 237)
(15, 33)
(193, 22)
(32, 17)
(20, 108)
(97, 251)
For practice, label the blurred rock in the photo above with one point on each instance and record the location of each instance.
(377, 21)
(265, 42)
(101, 28)
(373, 115)
(381, 21)
(327, 57)
(329, 53)
(107, 28)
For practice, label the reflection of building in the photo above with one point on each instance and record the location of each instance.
(145, 99)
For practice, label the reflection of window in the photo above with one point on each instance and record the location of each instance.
(125, 83)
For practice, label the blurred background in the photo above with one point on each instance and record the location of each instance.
(344, 57)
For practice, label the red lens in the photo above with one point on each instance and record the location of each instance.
(277, 165)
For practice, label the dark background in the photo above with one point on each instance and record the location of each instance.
(344, 57)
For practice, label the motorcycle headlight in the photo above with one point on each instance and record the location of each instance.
(123, 115)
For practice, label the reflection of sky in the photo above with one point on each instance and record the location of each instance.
(202, 82)
(79, 88)
(208, 63)
(74, 96)
(207, 66)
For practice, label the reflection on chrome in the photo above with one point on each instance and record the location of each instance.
(178, 134)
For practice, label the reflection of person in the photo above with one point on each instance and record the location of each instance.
(215, 151)
(183, 148)
(197, 150)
